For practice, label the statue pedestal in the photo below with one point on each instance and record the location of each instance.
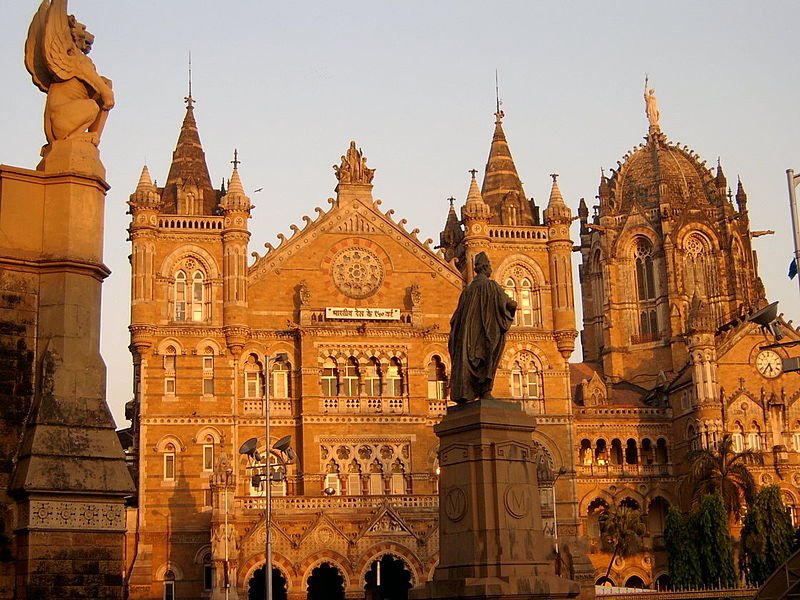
(491, 541)
(74, 156)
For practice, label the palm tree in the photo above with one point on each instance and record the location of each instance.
(724, 471)
(621, 528)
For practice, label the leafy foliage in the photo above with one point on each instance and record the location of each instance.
(714, 545)
(682, 557)
(621, 529)
(767, 535)
(723, 471)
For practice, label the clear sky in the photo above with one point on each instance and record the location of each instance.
(290, 84)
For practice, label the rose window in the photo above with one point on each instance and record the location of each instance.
(357, 272)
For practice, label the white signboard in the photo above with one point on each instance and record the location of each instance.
(362, 314)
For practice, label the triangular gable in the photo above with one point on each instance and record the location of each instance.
(354, 216)
(386, 520)
(323, 520)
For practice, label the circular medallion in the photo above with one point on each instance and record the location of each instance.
(357, 272)
(517, 500)
(455, 504)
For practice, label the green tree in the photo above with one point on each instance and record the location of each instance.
(621, 528)
(723, 471)
(767, 535)
(714, 545)
(682, 557)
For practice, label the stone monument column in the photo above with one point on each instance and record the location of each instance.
(68, 476)
(491, 539)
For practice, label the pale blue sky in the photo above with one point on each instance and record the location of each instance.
(289, 84)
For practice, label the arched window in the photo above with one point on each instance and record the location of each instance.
(597, 507)
(585, 455)
(522, 288)
(350, 378)
(754, 437)
(700, 272)
(437, 379)
(330, 378)
(737, 437)
(281, 381)
(190, 296)
(796, 437)
(169, 462)
(526, 377)
(394, 378)
(208, 454)
(252, 377)
(170, 372)
(645, 292)
(208, 371)
(662, 455)
(208, 573)
(372, 378)
(169, 585)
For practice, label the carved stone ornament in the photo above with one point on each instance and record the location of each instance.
(416, 295)
(91, 516)
(305, 293)
(357, 272)
(353, 167)
(78, 98)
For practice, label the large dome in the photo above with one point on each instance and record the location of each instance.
(656, 172)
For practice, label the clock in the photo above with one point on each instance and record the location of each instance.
(769, 363)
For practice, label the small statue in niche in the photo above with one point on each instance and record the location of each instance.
(304, 293)
(416, 295)
(56, 56)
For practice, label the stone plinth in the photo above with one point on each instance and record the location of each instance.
(68, 479)
(490, 526)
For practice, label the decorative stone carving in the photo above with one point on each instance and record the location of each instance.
(416, 295)
(353, 168)
(78, 98)
(304, 293)
(75, 515)
(651, 106)
(357, 272)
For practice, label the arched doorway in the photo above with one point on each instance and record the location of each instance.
(325, 583)
(387, 579)
(635, 582)
(255, 589)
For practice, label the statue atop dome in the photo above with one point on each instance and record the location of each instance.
(651, 106)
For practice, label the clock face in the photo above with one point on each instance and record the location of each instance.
(769, 363)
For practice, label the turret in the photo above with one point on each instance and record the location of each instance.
(452, 234)
(235, 206)
(557, 217)
(475, 215)
(702, 353)
(144, 204)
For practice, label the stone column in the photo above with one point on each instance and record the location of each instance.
(490, 527)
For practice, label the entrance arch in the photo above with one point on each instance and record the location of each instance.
(388, 578)
(255, 587)
(326, 582)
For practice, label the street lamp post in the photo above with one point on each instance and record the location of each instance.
(793, 181)
(561, 471)
(283, 446)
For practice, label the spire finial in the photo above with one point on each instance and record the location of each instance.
(499, 114)
(554, 176)
(189, 100)
(474, 172)
(235, 162)
(451, 200)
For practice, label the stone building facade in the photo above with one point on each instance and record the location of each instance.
(670, 361)
(360, 308)
(349, 317)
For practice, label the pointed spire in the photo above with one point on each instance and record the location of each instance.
(235, 199)
(741, 196)
(146, 193)
(188, 174)
(722, 182)
(556, 210)
(501, 182)
(452, 232)
(475, 207)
